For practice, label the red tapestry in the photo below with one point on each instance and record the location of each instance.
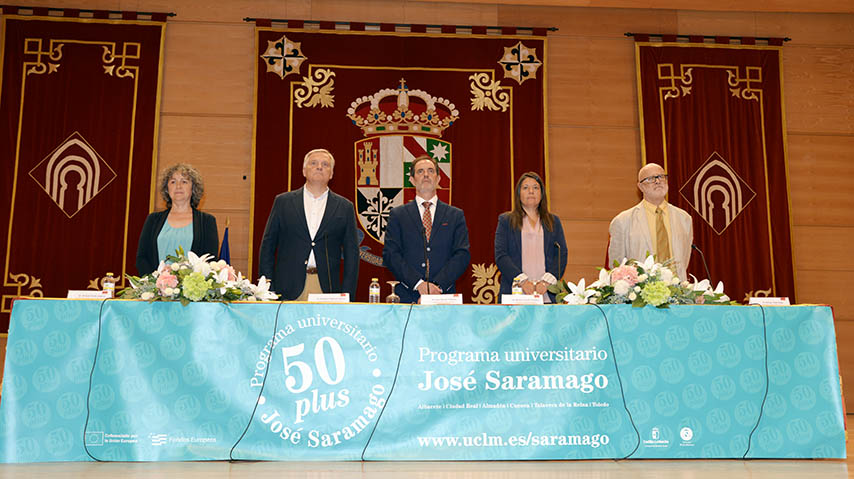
(78, 104)
(712, 115)
(377, 100)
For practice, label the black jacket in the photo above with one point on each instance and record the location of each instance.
(287, 243)
(205, 239)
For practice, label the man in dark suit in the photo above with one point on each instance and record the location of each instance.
(308, 232)
(427, 241)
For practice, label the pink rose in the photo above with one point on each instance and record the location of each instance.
(626, 273)
(231, 275)
(166, 280)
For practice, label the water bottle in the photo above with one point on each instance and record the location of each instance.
(374, 291)
(517, 285)
(109, 285)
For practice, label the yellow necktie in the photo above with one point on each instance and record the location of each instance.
(662, 241)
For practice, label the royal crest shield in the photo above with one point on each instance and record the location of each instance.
(382, 175)
(399, 126)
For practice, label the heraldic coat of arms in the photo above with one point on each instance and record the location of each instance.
(399, 125)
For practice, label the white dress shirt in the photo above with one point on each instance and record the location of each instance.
(433, 201)
(314, 209)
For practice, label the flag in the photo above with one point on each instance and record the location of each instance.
(224, 253)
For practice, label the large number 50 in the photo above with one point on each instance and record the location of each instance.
(319, 361)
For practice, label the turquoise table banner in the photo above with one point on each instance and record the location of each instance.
(131, 381)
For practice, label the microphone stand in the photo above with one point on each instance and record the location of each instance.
(426, 258)
(703, 257)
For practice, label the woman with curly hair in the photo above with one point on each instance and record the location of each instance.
(180, 224)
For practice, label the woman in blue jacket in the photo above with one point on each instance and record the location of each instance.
(529, 242)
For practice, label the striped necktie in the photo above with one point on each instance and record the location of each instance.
(427, 219)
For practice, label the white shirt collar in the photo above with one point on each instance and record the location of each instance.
(420, 201)
(307, 194)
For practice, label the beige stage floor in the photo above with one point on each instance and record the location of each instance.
(686, 469)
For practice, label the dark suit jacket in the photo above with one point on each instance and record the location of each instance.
(448, 248)
(287, 243)
(205, 239)
(508, 252)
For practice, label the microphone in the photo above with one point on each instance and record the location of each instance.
(328, 273)
(557, 269)
(426, 258)
(703, 257)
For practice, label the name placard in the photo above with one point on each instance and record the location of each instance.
(88, 294)
(455, 298)
(521, 299)
(769, 300)
(329, 297)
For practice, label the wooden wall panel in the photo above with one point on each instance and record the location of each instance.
(715, 23)
(715, 5)
(586, 245)
(219, 148)
(589, 22)
(807, 28)
(814, 245)
(208, 69)
(358, 10)
(459, 14)
(583, 92)
(819, 88)
(820, 180)
(593, 171)
(823, 287)
(219, 11)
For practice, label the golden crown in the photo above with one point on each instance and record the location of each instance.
(396, 111)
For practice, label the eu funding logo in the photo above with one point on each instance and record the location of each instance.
(94, 438)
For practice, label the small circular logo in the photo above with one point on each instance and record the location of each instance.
(705, 330)
(672, 371)
(686, 433)
(70, 405)
(144, 353)
(149, 322)
(164, 381)
(648, 345)
(677, 338)
(57, 343)
(172, 347)
(643, 378)
(783, 340)
(699, 363)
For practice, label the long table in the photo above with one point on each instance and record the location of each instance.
(126, 380)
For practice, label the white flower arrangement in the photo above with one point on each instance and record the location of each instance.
(187, 277)
(640, 284)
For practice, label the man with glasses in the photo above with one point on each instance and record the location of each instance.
(653, 226)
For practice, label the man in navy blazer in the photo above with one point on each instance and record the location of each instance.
(308, 233)
(426, 252)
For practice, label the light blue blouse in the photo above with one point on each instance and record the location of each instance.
(171, 238)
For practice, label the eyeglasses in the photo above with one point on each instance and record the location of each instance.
(654, 179)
